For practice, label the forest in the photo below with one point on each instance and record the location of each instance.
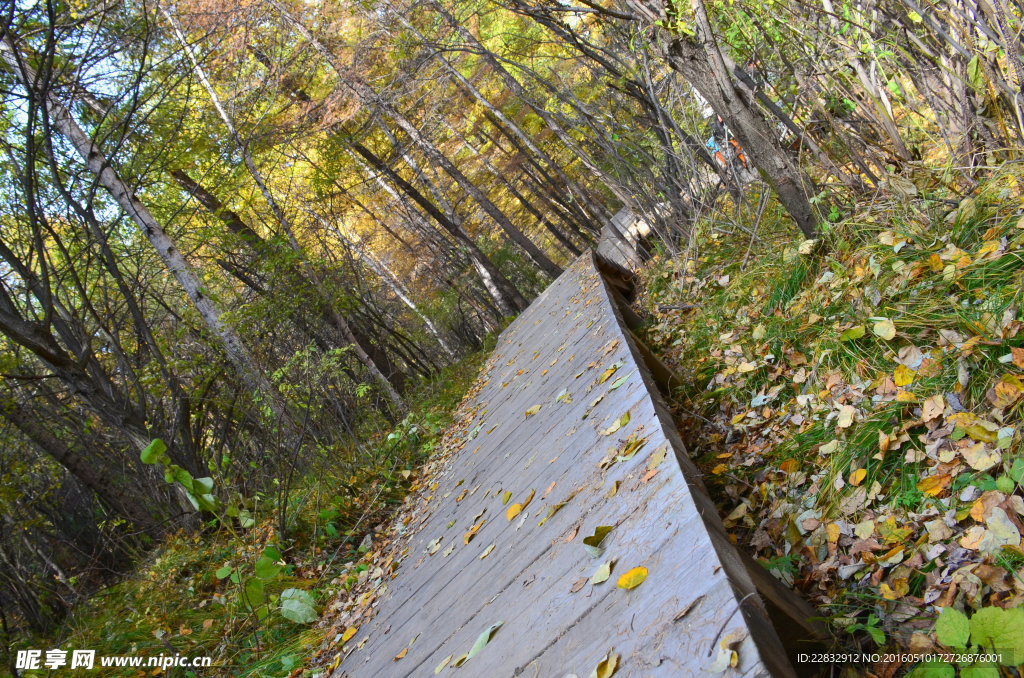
(255, 252)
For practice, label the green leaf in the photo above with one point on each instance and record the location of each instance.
(593, 542)
(152, 452)
(483, 639)
(224, 571)
(952, 628)
(979, 671)
(1017, 471)
(266, 568)
(253, 592)
(184, 478)
(619, 382)
(975, 74)
(207, 502)
(603, 573)
(297, 606)
(855, 332)
(994, 629)
(203, 485)
(933, 668)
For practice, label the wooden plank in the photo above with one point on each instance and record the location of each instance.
(698, 590)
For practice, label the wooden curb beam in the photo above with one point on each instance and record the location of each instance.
(550, 432)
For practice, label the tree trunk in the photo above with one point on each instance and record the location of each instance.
(369, 97)
(61, 119)
(505, 295)
(383, 371)
(700, 62)
(111, 490)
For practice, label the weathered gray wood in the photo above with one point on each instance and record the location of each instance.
(662, 521)
(619, 241)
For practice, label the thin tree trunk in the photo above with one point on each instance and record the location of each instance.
(112, 491)
(700, 62)
(362, 352)
(369, 97)
(61, 119)
(505, 295)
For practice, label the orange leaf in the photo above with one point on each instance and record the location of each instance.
(932, 486)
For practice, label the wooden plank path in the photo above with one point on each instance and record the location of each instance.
(532, 574)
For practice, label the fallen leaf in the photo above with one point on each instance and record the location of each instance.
(487, 551)
(578, 584)
(401, 654)
(658, 457)
(609, 372)
(1001, 532)
(619, 382)
(903, 375)
(616, 425)
(606, 667)
(466, 538)
(858, 476)
(483, 639)
(1018, 357)
(552, 510)
(515, 509)
(633, 578)
(846, 415)
(593, 542)
(981, 457)
(603, 572)
(1006, 391)
(444, 663)
(689, 608)
(347, 635)
(855, 332)
(932, 486)
(533, 410)
(933, 407)
(885, 329)
(505, 497)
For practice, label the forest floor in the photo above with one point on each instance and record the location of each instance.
(220, 593)
(856, 407)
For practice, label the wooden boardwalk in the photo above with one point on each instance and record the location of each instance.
(569, 424)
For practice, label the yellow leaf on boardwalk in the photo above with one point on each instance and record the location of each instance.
(607, 666)
(347, 635)
(515, 509)
(630, 580)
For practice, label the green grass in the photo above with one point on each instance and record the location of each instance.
(781, 318)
